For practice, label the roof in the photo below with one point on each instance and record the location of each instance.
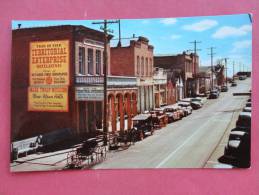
(204, 68)
(141, 117)
(79, 28)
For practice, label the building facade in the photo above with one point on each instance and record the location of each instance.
(160, 87)
(187, 65)
(136, 60)
(57, 82)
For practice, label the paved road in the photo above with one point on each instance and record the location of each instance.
(188, 143)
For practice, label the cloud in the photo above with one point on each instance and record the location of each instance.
(168, 21)
(201, 25)
(175, 36)
(238, 45)
(227, 31)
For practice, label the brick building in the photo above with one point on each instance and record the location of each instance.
(187, 64)
(204, 76)
(57, 82)
(136, 60)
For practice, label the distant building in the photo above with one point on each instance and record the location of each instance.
(188, 64)
(137, 60)
(204, 77)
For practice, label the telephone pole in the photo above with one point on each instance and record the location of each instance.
(105, 30)
(233, 69)
(211, 64)
(195, 42)
(226, 68)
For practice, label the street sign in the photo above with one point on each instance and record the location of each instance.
(89, 93)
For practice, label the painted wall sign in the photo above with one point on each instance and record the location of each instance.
(48, 99)
(90, 93)
(49, 62)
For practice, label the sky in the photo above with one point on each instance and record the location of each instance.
(231, 35)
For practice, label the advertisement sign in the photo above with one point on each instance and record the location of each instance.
(89, 93)
(49, 62)
(48, 99)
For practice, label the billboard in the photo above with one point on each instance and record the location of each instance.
(89, 93)
(49, 62)
(48, 99)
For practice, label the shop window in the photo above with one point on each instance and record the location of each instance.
(98, 61)
(90, 61)
(81, 60)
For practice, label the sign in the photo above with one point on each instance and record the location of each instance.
(49, 63)
(91, 93)
(48, 99)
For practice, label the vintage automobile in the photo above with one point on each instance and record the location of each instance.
(224, 88)
(143, 125)
(196, 105)
(247, 109)
(173, 113)
(244, 120)
(238, 149)
(214, 94)
(248, 104)
(186, 107)
(159, 117)
(198, 99)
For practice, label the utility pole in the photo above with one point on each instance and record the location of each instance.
(195, 42)
(105, 30)
(226, 68)
(211, 64)
(195, 51)
(119, 42)
(233, 69)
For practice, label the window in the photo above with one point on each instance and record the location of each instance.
(138, 66)
(142, 66)
(90, 62)
(98, 61)
(151, 67)
(81, 60)
(146, 71)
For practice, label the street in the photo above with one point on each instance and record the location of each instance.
(196, 141)
(188, 143)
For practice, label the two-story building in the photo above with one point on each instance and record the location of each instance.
(136, 60)
(57, 82)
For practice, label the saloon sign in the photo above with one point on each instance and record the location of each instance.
(49, 76)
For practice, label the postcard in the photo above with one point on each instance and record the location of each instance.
(131, 93)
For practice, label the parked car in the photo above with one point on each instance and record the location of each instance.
(173, 113)
(238, 152)
(214, 94)
(233, 84)
(196, 105)
(244, 120)
(247, 109)
(224, 88)
(143, 125)
(236, 134)
(242, 77)
(248, 104)
(198, 99)
(186, 107)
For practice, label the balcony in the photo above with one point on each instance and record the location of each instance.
(112, 81)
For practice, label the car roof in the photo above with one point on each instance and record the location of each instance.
(245, 114)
